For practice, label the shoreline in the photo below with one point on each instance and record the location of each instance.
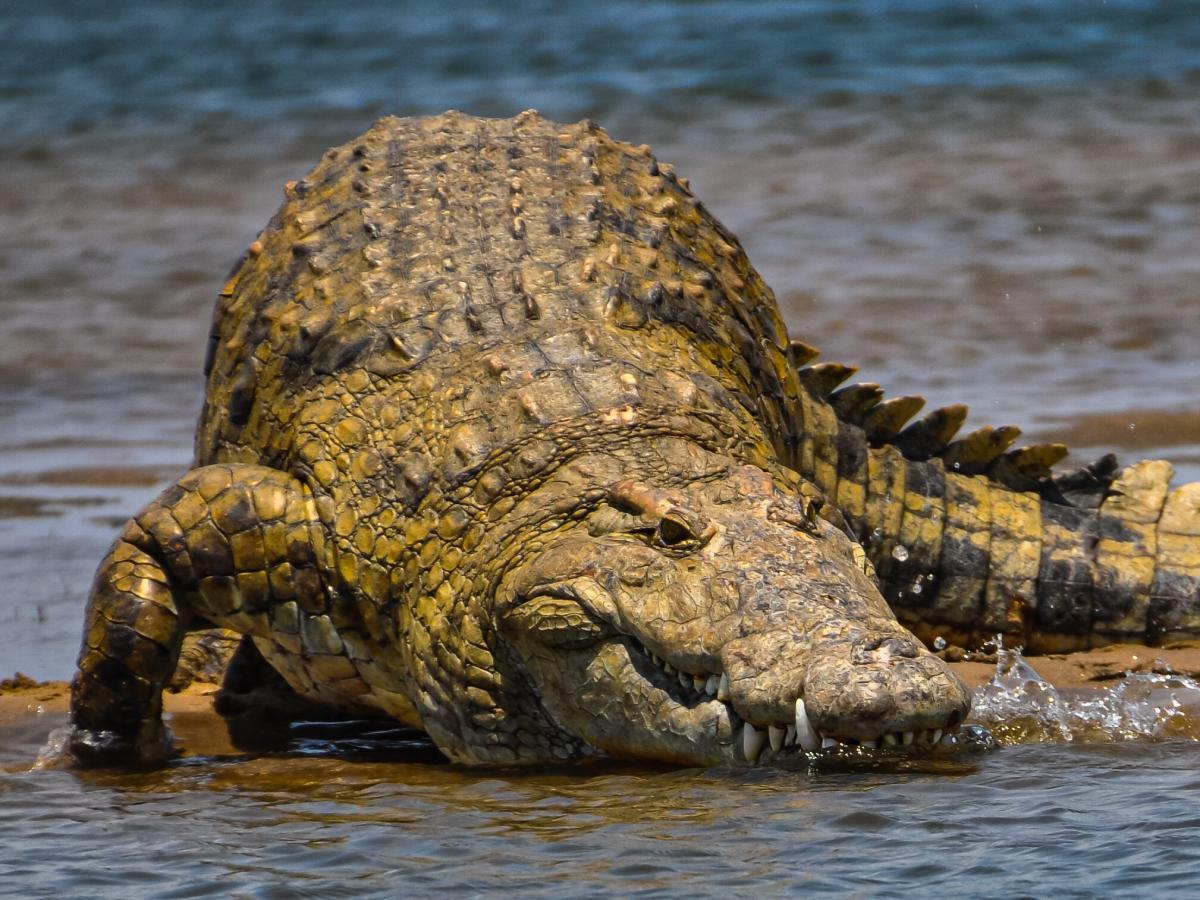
(202, 732)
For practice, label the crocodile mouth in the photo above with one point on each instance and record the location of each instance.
(604, 685)
(762, 743)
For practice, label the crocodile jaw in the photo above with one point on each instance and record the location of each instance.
(626, 709)
(626, 703)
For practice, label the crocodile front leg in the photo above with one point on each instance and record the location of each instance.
(221, 546)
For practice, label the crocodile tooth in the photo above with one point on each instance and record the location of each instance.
(776, 734)
(907, 738)
(723, 688)
(937, 736)
(752, 742)
(685, 680)
(668, 668)
(805, 733)
(828, 742)
(710, 686)
(890, 739)
(698, 684)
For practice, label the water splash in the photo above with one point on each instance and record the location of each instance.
(1019, 707)
(56, 753)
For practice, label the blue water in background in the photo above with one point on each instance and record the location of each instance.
(996, 203)
(993, 203)
(116, 66)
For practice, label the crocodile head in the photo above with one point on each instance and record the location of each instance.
(721, 621)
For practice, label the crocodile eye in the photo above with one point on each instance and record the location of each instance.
(676, 534)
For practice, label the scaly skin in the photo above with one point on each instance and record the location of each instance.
(504, 438)
(970, 540)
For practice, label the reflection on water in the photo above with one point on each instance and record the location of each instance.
(996, 206)
(988, 203)
(349, 815)
(361, 810)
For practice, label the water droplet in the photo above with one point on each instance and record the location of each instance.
(916, 587)
(900, 552)
(939, 643)
(1132, 425)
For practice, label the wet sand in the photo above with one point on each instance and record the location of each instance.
(1099, 668)
(201, 732)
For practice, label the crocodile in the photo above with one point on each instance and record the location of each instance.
(505, 438)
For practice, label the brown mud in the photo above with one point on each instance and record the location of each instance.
(200, 731)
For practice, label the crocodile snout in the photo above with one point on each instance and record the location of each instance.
(895, 687)
(874, 692)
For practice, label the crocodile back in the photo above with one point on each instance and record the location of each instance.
(495, 277)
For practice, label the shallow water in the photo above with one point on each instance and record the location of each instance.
(995, 205)
(990, 203)
(350, 819)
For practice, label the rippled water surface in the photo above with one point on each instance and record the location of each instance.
(1072, 820)
(996, 204)
(991, 203)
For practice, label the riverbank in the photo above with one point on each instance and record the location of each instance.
(200, 731)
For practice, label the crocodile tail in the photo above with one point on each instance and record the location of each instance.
(888, 421)
(970, 537)
(964, 557)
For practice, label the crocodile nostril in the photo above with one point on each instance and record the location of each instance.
(883, 650)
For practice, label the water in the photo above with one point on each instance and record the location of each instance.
(364, 817)
(995, 204)
(991, 203)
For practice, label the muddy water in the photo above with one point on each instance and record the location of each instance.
(1072, 806)
(996, 204)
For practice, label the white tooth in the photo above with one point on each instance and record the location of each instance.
(654, 659)
(890, 739)
(752, 742)
(937, 736)
(805, 733)
(668, 668)
(710, 686)
(685, 680)
(871, 745)
(775, 733)
(698, 684)
(828, 742)
(723, 688)
(789, 737)
(907, 738)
